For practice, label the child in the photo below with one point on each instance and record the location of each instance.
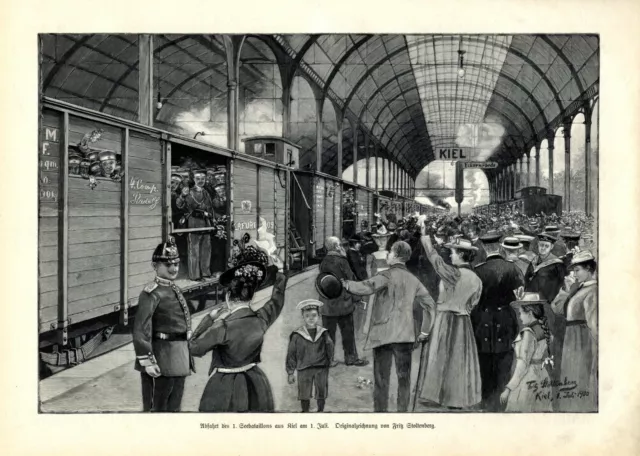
(310, 353)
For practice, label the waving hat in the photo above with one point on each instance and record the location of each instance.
(461, 243)
(328, 285)
(252, 273)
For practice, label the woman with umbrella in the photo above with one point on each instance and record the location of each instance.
(235, 335)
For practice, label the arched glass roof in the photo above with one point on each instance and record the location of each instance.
(404, 92)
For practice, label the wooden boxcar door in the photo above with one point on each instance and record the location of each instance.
(95, 223)
(145, 179)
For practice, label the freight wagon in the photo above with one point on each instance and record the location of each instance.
(108, 195)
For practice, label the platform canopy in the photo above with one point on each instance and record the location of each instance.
(405, 92)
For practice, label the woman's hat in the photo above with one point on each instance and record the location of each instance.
(461, 244)
(309, 303)
(511, 243)
(328, 285)
(582, 257)
(251, 272)
(526, 299)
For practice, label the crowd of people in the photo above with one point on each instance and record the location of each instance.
(503, 309)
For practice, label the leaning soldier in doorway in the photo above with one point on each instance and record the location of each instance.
(176, 189)
(217, 189)
(198, 208)
(161, 330)
(494, 321)
(545, 276)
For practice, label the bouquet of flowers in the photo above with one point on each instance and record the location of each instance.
(220, 224)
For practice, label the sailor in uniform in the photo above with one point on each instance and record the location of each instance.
(160, 333)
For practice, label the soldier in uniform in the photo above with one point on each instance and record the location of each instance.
(160, 333)
(494, 321)
(198, 206)
(176, 189)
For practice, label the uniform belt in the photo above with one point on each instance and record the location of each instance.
(169, 337)
(233, 370)
(576, 322)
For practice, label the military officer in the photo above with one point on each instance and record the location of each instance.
(494, 321)
(160, 333)
(197, 204)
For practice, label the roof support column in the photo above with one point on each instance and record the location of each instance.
(233, 46)
(384, 173)
(319, 133)
(588, 114)
(375, 156)
(145, 79)
(528, 179)
(567, 165)
(367, 179)
(339, 158)
(537, 165)
(520, 175)
(354, 143)
(514, 178)
(550, 146)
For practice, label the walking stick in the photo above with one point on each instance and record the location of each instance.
(422, 371)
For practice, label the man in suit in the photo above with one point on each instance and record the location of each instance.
(494, 321)
(339, 311)
(401, 303)
(160, 333)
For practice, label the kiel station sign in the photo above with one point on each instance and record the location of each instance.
(454, 153)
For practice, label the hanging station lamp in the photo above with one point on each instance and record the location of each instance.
(460, 60)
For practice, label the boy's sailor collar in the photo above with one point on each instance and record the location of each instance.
(304, 332)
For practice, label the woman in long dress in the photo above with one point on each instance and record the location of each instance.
(529, 388)
(235, 336)
(453, 377)
(578, 303)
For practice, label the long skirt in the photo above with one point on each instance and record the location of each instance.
(248, 391)
(453, 372)
(579, 357)
(526, 398)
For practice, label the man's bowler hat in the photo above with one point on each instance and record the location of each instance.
(328, 285)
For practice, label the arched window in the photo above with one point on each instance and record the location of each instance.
(260, 92)
(303, 121)
(329, 139)
(577, 163)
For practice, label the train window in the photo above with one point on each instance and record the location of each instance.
(199, 211)
(270, 149)
(258, 148)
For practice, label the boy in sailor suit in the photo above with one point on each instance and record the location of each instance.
(310, 353)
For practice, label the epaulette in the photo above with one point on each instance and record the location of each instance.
(510, 261)
(480, 264)
(150, 287)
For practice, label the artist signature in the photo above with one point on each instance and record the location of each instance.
(548, 390)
